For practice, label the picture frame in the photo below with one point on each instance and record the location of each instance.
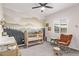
(49, 28)
(47, 24)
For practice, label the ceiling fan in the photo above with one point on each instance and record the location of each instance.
(42, 6)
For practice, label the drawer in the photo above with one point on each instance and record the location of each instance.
(9, 53)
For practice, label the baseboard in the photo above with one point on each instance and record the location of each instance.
(73, 49)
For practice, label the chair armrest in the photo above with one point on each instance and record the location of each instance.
(68, 41)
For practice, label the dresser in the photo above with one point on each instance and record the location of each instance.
(8, 47)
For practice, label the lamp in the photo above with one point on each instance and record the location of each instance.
(1, 30)
(2, 22)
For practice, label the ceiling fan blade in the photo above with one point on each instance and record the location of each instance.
(45, 4)
(48, 7)
(36, 7)
(41, 4)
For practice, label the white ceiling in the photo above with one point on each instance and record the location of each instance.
(25, 9)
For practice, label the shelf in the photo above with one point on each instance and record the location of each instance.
(32, 39)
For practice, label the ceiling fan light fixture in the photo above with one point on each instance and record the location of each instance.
(42, 8)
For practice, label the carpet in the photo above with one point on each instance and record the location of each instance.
(44, 49)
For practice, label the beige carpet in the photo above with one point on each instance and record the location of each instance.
(44, 49)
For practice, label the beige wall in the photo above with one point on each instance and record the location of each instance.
(72, 15)
(16, 18)
(1, 12)
(26, 22)
(1, 16)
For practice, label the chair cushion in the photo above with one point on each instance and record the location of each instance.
(65, 39)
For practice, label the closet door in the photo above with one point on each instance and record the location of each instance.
(44, 37)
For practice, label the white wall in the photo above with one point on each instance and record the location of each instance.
(72, 15)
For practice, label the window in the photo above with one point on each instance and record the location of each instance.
(56, 28)
(60, 26)
(63, 28)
